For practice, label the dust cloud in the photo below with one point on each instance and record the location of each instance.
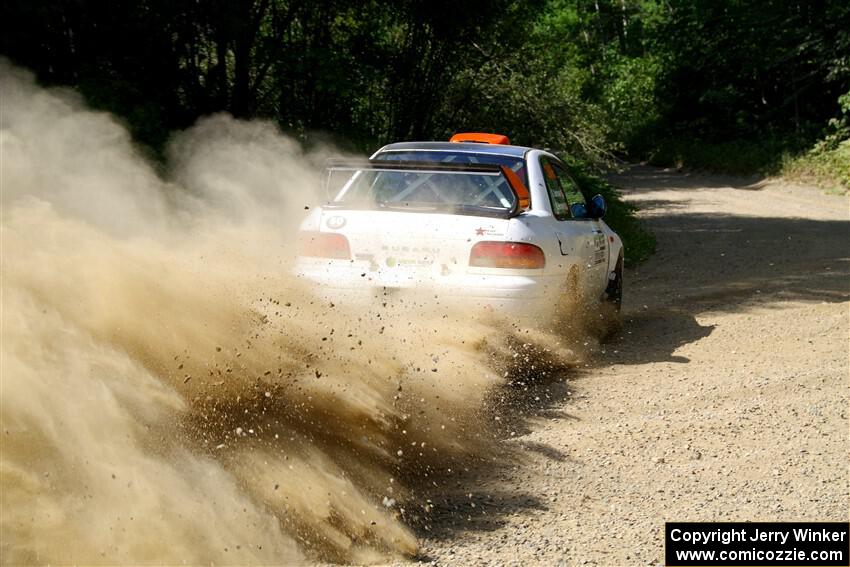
(170, 394)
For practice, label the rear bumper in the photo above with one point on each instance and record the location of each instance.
(519, 297)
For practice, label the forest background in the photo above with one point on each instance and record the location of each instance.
(744, 87)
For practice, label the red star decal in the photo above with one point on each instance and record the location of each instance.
(479, 232)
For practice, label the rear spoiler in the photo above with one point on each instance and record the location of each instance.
(523, 197)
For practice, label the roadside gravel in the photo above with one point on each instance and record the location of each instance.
(725, 396)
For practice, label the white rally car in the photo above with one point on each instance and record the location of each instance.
(474, 221)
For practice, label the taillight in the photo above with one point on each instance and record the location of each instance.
(513, 255)
(324, 245)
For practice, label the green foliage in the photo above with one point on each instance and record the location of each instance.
(730, 85)
(630, 102)
(740, 157)
(838, 129)
(828, 167)
(738, 70)
(828, 162)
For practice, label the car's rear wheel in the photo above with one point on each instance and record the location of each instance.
(614, 291)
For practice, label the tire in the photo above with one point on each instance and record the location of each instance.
(614, 291)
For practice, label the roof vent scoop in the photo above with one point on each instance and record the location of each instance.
(481, 138)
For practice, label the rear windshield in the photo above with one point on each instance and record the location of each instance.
(458, 192)
(517, 164)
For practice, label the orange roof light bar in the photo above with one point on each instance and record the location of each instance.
(481, 137)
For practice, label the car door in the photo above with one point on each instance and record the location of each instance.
(573, 237)
(596, 243)
(576, 237)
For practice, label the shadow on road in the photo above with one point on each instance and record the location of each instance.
(724, 263)
(729, 263)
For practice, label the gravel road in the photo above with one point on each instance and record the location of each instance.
(725, 397)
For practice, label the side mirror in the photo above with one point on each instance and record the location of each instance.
(578, 211)
(598, 207)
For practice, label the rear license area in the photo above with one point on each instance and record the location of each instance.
(397, 247)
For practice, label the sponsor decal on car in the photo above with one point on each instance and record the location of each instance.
(486, 231)
(335, 222)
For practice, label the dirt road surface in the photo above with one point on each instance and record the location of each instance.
(725, 397)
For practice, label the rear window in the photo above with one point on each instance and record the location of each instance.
(458, 192)
(517, 164)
